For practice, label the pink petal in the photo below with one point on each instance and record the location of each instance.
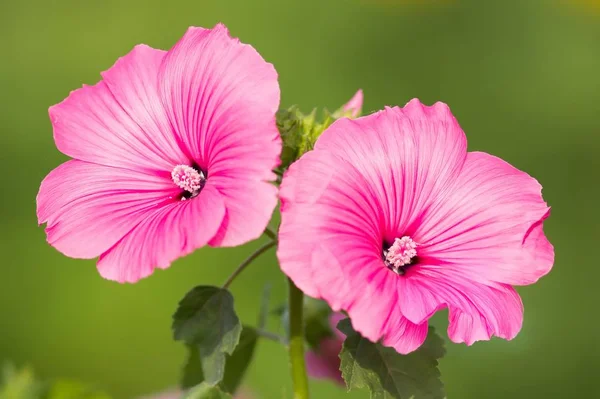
(249, 206)
(325, 217)
(488, 227)
(368, 291)
(120, 121)
(477, 311)
(407, 156)
(170, 232)
(326, 263)
(487, 312)
(375, 304)
(306, 179)
(404, 336)
(417, 301)
(89, 207)
(221, 97)
(375, 313)
(354, 106)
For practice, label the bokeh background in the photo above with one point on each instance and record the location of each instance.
(522, 77)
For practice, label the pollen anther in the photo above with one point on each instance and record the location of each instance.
(400, 254)
(189, 179)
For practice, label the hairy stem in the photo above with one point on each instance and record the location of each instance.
(248, 261)
(296, 344)
(271, 336)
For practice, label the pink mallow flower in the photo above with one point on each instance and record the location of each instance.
(390, 219)
(172, 150)
(324, 361)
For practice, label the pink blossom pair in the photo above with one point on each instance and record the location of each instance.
(389, 218)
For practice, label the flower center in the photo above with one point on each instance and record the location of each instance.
(400, 254)
(188, 178)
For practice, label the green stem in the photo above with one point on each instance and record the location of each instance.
(270, 336)
(296, 345)
(248, 261)
(270, 233)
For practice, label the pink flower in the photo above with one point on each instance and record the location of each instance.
(172, 151)
(324, 363)
(390, 219)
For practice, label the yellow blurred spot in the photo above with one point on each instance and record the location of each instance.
(593, 5)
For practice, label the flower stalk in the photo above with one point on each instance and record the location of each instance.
(248, 261)
(296, 342)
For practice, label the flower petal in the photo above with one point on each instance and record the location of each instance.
(375, 313)
(375, 304)
(477, 311)
(487, 312)
(417, 301)
(88, 207)
(170, 232)
(406, 155)
(248, 205)
(329, 225)
(352, 108)
(221, 97)
(488, 227)
(404, 336)
(368, 291)
(120, 121)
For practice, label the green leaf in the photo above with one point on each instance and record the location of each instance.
(289, 123)
(205, 391)
(388, 374)
(238, 362)
(192, 371)
(206, 320)
(235, 364)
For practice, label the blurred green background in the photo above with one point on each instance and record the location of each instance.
(521, 76)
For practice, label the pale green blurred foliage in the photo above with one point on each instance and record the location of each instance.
(19, 384)
(23, 384)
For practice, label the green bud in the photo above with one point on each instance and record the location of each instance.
(300, 132)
